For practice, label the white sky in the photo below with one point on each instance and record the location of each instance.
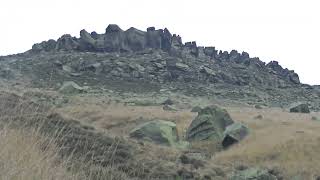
(284, 30)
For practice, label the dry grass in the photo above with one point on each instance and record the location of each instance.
(287, 141)
(120, 119)
(22, 157)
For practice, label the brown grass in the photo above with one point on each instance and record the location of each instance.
(23, 158)
(282, 140)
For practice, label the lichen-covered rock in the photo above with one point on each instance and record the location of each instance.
(300, 108)
(210, 124)
(234, 133)
(157, 131)
(253, 174)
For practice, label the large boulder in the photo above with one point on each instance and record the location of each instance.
(253, 174)
(234, 133)
(300, 108)
(210, 124)
(157, 131)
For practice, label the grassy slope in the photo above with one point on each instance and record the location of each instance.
(280, 140)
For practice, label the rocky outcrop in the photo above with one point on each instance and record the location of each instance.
(216, 66)
(287, 74)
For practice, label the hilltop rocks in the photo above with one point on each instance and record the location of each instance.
(86, 41)
(300, 108)
(210, 124)
(157, 131)
(67, 43)
(180, 60)
(287, 74)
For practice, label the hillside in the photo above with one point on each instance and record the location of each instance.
(143, 105)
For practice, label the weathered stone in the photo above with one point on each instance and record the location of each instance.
(169, 108)
(210, 124)
(182, 67)
(168, 102)
(300, 108)
(67, 43)
(71, 87)
(44, 46)
(234, 133)
(207, 71)
(196, 109)
(210, 51)
(135, 39)
(113, 28)
(253, 174)
(157, 131)
(86, 41)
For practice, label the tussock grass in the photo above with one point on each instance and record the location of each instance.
(22, 157)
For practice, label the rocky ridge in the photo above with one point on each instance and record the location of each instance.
(133, 40)
(157, 61)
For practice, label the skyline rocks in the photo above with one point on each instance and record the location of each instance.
(133, 40)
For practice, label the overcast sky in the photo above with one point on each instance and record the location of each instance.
(281, 30)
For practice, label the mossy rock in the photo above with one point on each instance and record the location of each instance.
(159, 132)
(210, 124)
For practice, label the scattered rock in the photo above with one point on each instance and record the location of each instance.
(196, 109)
(71, 87)
(314, 118)
(253, 174)
(182, 67)
(234, 133)
(300, 108)
(168, 102)
(258, 106)
(169, 108)
(258, 117)
(210, 124)
(207, 71)
(157, 131)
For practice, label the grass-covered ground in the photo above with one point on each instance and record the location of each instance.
(87, 138)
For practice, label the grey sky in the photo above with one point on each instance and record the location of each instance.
(282, 30)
